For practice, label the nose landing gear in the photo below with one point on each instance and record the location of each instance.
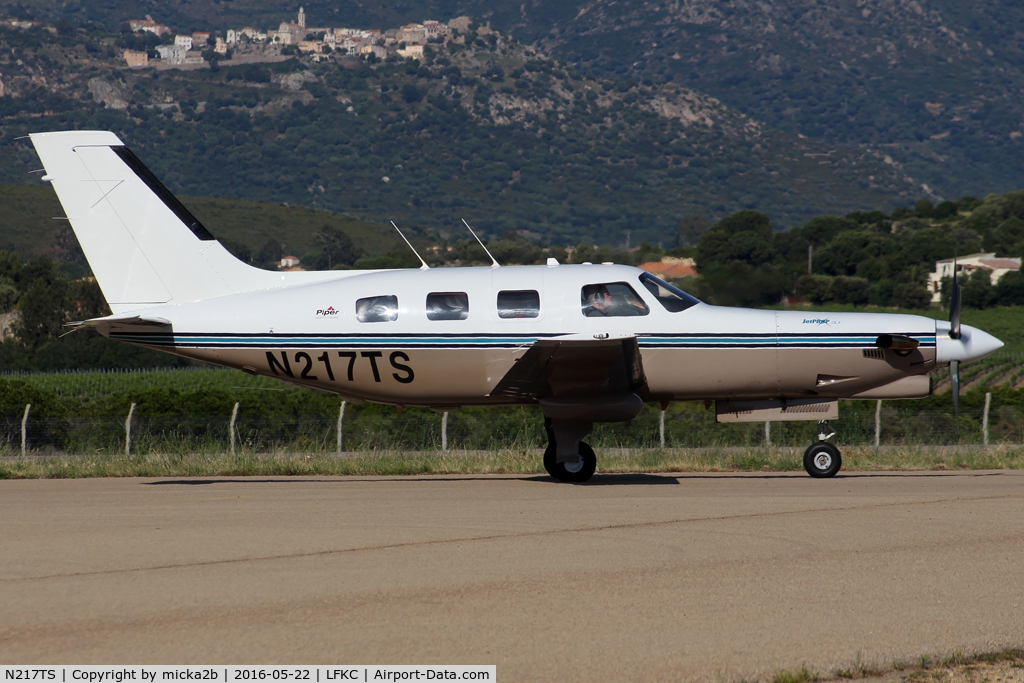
(822, 459)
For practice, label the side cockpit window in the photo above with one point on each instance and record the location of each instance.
(672, 298)
(611, 300)
(518, 304)
(377, 309)
(447, 306)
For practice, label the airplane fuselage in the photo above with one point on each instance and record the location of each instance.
(311, 335)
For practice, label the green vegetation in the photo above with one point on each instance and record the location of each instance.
(886, 78)
(186, 412)
(936, 91)
(863, 258)
(490, 131)
(392, 462)
(801, 675)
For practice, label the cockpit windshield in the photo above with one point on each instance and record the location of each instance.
(672, 298)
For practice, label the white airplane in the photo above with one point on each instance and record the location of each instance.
(587, 343)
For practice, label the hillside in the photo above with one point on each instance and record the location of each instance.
(936, 86)
(491, 131)
(27, 226)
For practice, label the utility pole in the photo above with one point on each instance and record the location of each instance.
(810, 257)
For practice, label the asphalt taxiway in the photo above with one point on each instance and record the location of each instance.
(712, 576)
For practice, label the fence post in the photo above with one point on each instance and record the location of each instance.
(661, 428)
(234, 416)
(984, 418)
(128, 431)
(444, 431)
(878, 423)
(767, 434)
(341, 420)
(24, 429)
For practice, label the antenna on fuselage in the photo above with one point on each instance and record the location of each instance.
(424, 266)
(494, 261)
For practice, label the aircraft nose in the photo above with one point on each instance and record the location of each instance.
(972, 344)
(980, 343)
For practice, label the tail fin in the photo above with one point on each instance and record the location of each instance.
(143, 245)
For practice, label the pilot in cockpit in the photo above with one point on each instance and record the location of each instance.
(600, 301)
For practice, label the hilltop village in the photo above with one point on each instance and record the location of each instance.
(249, 44)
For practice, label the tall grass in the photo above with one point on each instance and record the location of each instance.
(497, 461)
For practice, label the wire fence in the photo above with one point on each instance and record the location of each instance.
(331, 425)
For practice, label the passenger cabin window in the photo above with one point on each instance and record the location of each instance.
(611, 300)
(672, 298)
(518, 304)
(377, 309)
(447, 306)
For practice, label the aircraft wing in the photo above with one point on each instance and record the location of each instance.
(608, 362)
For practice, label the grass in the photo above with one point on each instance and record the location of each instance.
(503, 461)
(801, 675)
(956, 667)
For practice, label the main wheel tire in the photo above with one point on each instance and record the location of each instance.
(573, 473)
(822, 460)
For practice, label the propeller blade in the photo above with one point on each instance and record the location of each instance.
(954, 378)
(954, 306)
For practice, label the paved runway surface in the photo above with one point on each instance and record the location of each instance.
(647, 576)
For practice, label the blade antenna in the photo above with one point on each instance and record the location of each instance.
(424, 266)
(494, 261)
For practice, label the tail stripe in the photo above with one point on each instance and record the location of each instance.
(161, 191)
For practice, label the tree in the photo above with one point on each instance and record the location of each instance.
(842, 254)
(911, 295)
(690, 230)
(271, 252)
(339, 250)
(743, 237)
(850, 290)
(411, 94)
(1007, 239)
(821, 230)
(977, 289)
(43, 309)
(1010, 290)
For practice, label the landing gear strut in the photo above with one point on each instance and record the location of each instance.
(822, 459)
(570, 467)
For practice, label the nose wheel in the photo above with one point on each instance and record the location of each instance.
(823, 460)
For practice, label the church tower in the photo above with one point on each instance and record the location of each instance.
(302, 18)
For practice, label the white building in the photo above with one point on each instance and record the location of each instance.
(183, 41)
(172, 54)
(965, 265)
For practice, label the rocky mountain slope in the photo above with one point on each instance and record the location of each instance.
(489, 130)
(935, 85)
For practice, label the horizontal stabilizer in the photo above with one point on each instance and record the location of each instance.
(111, 320)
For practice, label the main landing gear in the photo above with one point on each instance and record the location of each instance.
(575, 461)
(822, 459)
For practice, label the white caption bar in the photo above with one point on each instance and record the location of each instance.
(240, 674)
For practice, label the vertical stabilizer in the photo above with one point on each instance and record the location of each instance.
(144, 247)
